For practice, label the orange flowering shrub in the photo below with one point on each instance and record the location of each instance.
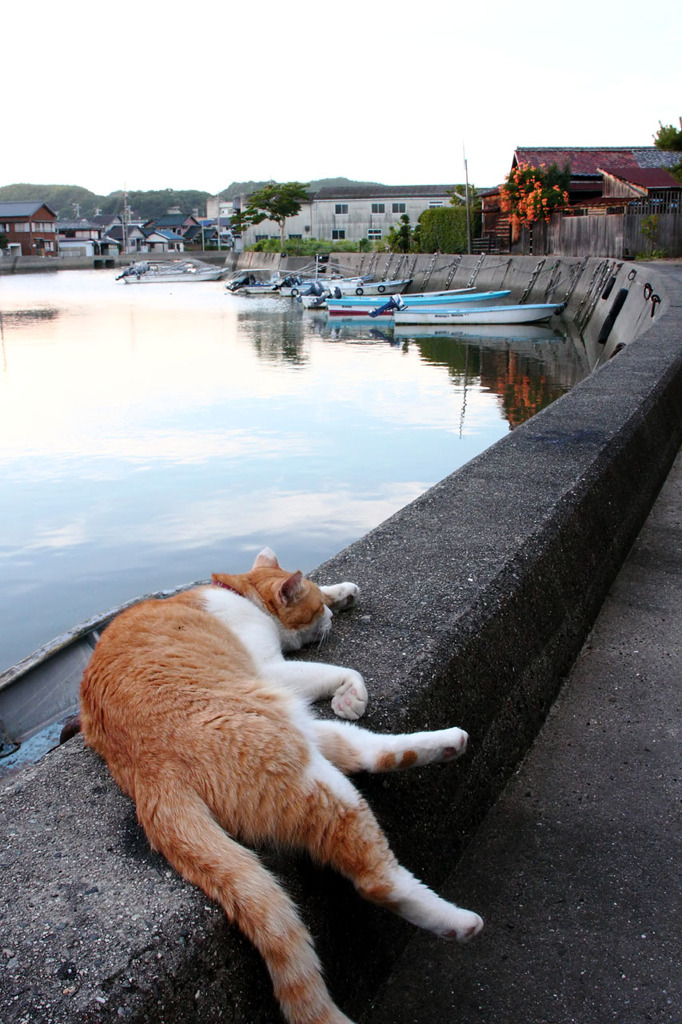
(533, 193)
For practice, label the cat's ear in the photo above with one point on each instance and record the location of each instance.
(267, 559)
(290, 588)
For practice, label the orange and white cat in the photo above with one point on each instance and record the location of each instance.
(206, 726)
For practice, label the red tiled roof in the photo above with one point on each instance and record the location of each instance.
(647, 177)
(588, 160)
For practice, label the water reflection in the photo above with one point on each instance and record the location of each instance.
(273, 328)
(150, 435)
(26, 317)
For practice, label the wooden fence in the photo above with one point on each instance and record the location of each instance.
(619, 235)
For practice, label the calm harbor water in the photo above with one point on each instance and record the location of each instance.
(152, 434)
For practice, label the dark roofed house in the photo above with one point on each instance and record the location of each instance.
(178, 223)
(135, 239)
(30, 228)
(83, 238)
(162, 241)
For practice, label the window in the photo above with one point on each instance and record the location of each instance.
(374, 233)
(295, 236)
(398, 208)
(22, 225)
(341, 208)
(262, 238)
(378, 208)
(433, 203)
(338, 234)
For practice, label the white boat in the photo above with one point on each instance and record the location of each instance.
(296, 286)
(313, 301)
(369, 288)
(255, 282)
(356, 287)
(354, 306)
(144, 272)
(435, 298)
(525, 314)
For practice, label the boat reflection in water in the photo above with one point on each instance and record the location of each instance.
(509, 333)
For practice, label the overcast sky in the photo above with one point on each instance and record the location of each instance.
(157, 95)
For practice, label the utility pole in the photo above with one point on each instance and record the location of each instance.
(466, 193)
(124, 228)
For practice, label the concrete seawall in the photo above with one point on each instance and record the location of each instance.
(476, 599)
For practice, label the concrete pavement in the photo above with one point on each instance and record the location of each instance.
(577, 869)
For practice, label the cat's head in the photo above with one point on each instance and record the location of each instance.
(297, 605)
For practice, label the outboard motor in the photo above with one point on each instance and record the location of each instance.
(395, 302)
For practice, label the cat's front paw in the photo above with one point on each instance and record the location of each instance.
(350, 700)
(341, 595)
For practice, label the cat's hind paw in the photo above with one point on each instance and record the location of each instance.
(467, 926)
(350, 700)
(341, 596)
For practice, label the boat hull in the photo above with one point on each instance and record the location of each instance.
(529, 314)
(432, 298)
(357, 287)
(353, 306)
(184, 271)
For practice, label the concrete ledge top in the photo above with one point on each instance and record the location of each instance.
(475, 601)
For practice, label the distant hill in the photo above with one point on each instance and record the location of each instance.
(72, 201)
(65, 200)
(238, 188)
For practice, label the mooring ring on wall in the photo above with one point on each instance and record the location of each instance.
(648, 290)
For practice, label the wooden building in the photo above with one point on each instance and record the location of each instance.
(30, 226)
(620, 180)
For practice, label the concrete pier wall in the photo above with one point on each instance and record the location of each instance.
(476, 599)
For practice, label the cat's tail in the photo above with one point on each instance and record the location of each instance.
(180, 826)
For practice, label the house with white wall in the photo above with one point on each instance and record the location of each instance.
(353, 213)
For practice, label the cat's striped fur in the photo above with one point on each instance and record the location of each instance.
(208, 728)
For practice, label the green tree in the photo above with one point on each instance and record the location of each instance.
(276, 202)
(400, 237)
(669, 138)
(442, 229)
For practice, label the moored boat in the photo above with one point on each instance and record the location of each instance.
(40, 693)
(255, 282)
(523, 314)
(188, 270)
(358, 306)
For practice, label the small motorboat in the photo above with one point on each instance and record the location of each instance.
(146, 272)
(250, 282)
(354, 306)
(524, 314)
(41, 693)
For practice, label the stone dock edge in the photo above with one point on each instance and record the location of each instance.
(475, 601)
